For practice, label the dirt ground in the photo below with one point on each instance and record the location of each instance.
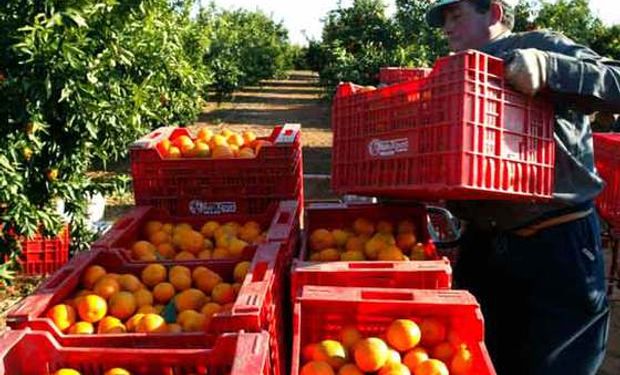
(293, 100)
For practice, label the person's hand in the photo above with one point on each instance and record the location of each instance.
(526, 70)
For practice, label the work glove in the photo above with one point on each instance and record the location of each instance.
(526, 70)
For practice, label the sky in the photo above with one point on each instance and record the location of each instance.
(304, 17)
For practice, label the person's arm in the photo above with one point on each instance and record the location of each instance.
(568, 72)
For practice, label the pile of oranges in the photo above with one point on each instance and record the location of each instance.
(224, 145)
(182, 242)
(367, 241)
(407, 347)
(110, 303)
(112, 371)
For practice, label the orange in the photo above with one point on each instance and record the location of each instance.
(363, 226)
(205, 134)
(236, 139)
(132, 322)
(180, 281)
(248, 138)
(371, 354)
(316, 368)
(205, 254)
(414, 357)
(209, 228)
(222, 152)
(159, 237)
(443, 352)
(122, 305)
(352, 256)
(174, 152)
(66, 371)
(393, 357)
(321, 239)
(117, 371)
(182, 227)
(143, 297)
(182, 140)
(81, 328)
(62, 315)
(210, 309)
(355, 244)
(205, 279)
(403, 334)
(91, 275)
(332, 352)
(142, 248)
(110, 325)
(394, 368)
(150, 257)
(340, 237)
(223, 293)
(241, 270)
(349, 336)
(418, 252)
(374, 246)
(151, 323)
(385, 227)
(154, 274)
(307, 352)
(151, 227)
(184, 255)
(190, 299)
(163, 292)
(218, 140)
(226, 132)
(406, 241)
(129, 282)
(316, 257)
(330, 255)
(246, 153)
(236, 247)
(163, 147)
(147, 309)
(168, 228)
(202, 149)
(91, 308)
(391, 253)
(432, 367)
(220, 253)
(406, 226)
(235, 150)
(166, 250)
(461, 362)
(433, 332)
(191, 321)
(350, 369)
(174, 328)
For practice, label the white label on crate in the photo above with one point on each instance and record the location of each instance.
(197, 207)
(390, 147)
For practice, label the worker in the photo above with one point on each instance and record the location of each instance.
(537, 269)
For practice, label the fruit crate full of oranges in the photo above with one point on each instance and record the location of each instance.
(99, 300)
(459, 133)
(365, 245)
(42, 254)
(170, 171)
(607, 159)
(25, 352)
(353, 331)
(148, 234)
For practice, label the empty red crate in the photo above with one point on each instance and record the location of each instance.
(395, 274)
(222, 186)
(279, 221)
(26, 352)
(607, 157)
(321, 312)
(391, 75)
(44, 254)
(459, 133)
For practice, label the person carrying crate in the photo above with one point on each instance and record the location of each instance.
(537, 269)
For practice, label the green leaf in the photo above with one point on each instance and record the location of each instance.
(169, 313)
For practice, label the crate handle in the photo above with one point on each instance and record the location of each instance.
(264, 261)
(369, 295)
(288, 133)
(251, 351)
(370, 265)
(153, 138)
(283, 223)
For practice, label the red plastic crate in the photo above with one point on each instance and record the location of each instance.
(42, 254)
(208, 186)
(391, 75)
(394, 274)
(459, 133)
(28, 352)
(607, 157)
(321, 312)
(280, 220)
